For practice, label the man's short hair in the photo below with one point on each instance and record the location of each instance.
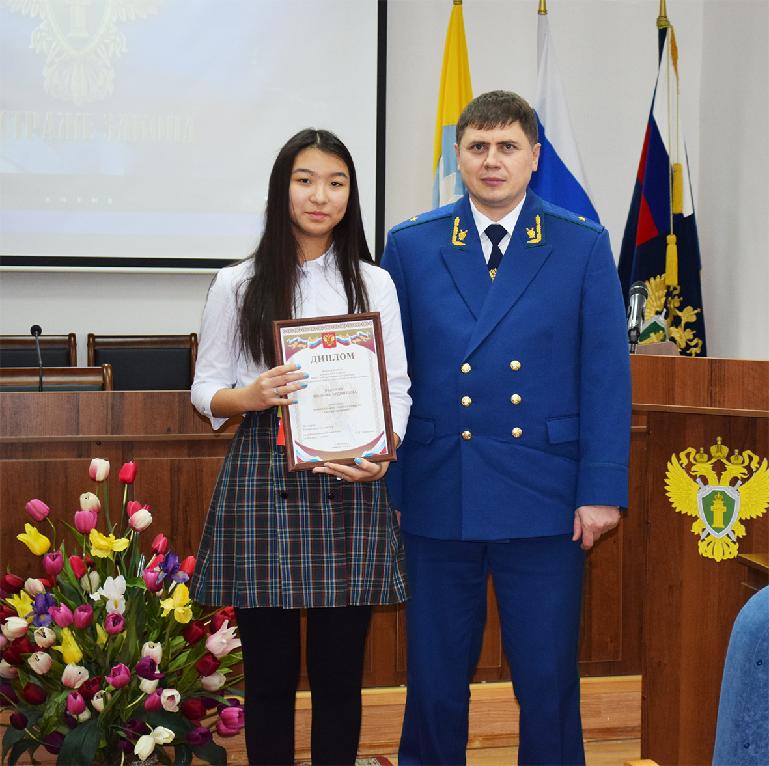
(498, 108)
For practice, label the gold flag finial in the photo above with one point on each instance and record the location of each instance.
(457, 2)
(662, 19)
(542, 10)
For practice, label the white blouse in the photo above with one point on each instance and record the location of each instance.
(320, 292)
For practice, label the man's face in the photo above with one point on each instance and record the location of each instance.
(496, 166)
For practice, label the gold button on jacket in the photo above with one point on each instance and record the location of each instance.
(515, 365)
(517, 433)
(466, 435)
(515, 398)
(466, 401)
(465, 368)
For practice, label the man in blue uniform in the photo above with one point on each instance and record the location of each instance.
(515, 456)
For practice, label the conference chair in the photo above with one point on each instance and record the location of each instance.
(55, 350)
(146, 362)
(56, 378)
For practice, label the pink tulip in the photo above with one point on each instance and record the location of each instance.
(90, 502)
(37, 509)
(82, 616)
(230, 721)
(152, 580)
(99, 469)
(53, 563)
(75, 703)
(119, 676)
(62, 615)
(153, 702)
(85, 521)
(114, 623)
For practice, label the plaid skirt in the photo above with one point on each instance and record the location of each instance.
(293, 540)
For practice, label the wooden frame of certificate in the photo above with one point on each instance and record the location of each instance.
(344, 412)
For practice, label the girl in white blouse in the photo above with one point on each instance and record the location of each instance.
(275, 542)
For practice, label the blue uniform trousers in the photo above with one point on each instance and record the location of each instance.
(538, 584)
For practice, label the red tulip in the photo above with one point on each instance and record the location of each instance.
(227, 614)
(194, 631)
(199, 736)
(193, 708)
(207, 664)
(53, 563)
(37, 509)
(33, 694)
(188, 566)
(53, 742)
(11, 584)
(90, 687)
(18, 720)
(78, 566)
(160, 543)
(128, 472)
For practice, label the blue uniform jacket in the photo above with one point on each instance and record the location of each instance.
(520, 386)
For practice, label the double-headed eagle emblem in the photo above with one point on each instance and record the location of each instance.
(720, 502)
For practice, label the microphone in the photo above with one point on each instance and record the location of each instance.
(36, 331)
(635, 312)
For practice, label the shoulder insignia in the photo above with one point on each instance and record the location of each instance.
(719, 502)
(421, 218)
(534, 233)
(458, 235)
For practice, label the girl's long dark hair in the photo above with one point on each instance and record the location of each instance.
(269, 294)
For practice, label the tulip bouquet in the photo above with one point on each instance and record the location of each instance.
(103, 657)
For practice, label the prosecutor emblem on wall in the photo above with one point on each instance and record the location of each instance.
(721, 491)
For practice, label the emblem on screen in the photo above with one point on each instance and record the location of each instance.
(81, 40)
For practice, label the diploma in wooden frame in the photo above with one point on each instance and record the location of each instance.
(344, 412)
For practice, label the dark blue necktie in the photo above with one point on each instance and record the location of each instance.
(496, 233)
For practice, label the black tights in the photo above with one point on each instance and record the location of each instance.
(336, 638)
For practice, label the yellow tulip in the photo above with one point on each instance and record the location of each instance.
(70, 651)
(22, 603)
(103, 546)
(101, 635)
(34, 540)
(178, 603)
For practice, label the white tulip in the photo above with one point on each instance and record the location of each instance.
(144, 747)
(44, 637)
(170, 699)
(153, 649)
(14, 627)
(140, 520)
(33, 586)
(100, 699)
(84, 716)
(40, 662)
(7, 670)
(148, 685)
(214, 682)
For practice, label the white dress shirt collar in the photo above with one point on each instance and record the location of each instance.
(507, 222)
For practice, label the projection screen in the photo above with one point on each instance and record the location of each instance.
(142, 132)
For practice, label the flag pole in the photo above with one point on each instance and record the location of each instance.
(662, 19)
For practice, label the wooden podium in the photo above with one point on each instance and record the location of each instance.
(652, 604)
(690, 602)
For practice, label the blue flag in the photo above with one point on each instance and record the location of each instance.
(559, 178)
(660, 245)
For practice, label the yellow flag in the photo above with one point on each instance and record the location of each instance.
(455, 92)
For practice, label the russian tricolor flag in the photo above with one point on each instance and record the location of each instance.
(559, 178)
(660, 245)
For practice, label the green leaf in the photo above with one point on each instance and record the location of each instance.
(176, 722)
(11, 737)
(20, 748)
(183, 755)
(80, 744)
(52, 712)
(212, 753)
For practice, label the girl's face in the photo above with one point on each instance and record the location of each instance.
(318, 194)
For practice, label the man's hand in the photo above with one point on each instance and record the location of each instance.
(592, 521)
